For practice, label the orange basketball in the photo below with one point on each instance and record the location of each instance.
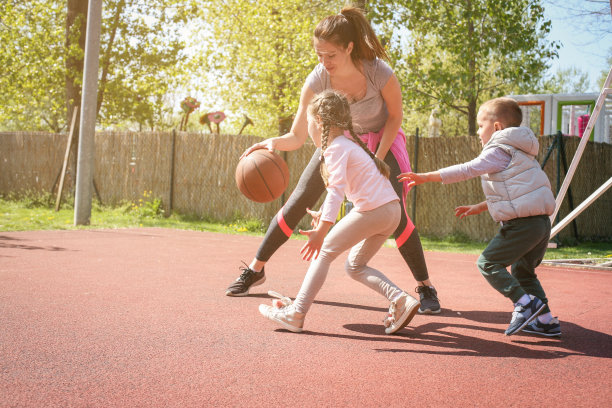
(262, 176)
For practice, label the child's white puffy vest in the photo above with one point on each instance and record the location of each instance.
(522, 189)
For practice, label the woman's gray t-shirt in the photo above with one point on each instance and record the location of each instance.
(369, 113)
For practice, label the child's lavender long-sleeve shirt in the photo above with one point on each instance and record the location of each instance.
(489, 161)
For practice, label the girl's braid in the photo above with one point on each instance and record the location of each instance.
(324, 139)
(334, 110)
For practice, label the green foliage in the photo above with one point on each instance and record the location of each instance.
(141, 60)
(15, 216)
(31, 68)
(31, 199)
(458, 54)
(248, 225)
(570, 80)
(604, 74)
(252, 58)
(146, 207)
(258, 56)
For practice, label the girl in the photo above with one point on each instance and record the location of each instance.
(352, 62)
(347, 167)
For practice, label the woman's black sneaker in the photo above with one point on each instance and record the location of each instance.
(429, 300)
(247, 278)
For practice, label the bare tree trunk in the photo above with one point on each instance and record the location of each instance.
(472, 112)
(473, 93)
(76, 27)
(105, 58)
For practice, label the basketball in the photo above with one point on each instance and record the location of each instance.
(262, 176)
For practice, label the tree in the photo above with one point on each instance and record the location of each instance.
(592, 15)
(31, 72)
(257, 55)
(604, 74)
(570, 80)
(141, 59)
(76, 25)
(459, 53)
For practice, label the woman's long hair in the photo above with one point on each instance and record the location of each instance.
(351, 26)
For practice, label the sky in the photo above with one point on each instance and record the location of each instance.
(582, 46)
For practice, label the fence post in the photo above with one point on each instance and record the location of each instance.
(173, 153)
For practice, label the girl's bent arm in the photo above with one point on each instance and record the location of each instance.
(392, 94)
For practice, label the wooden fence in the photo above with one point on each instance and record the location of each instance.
(193, 173)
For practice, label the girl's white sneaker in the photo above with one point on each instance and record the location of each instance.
(286, 316)
(400, 313)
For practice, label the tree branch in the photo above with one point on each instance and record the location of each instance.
(107, 54)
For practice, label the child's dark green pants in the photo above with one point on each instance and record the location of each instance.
(521, 243)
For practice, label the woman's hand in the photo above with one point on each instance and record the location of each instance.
(269, 144)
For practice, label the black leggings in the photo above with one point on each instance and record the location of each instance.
(309, 189)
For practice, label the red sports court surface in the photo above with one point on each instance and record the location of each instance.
(126, 318)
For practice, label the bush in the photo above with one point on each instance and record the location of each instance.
(146, 207)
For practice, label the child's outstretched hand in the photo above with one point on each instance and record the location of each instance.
(315, 236)
(414, 179)
(314, 244)
(464, 210)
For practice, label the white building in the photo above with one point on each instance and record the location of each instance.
(546, 114)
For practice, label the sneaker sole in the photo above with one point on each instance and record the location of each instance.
(404, 319)
(533, 316)
(263, 309)
(429, 311)
(542, 333)
(241, 294)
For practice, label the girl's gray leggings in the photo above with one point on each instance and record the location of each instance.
(364, 233)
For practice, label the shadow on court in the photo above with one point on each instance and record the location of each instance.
(139, 318)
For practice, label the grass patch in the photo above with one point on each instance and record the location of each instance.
(36, 212)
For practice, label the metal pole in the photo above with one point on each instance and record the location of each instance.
(549, 151)
(87, 125)
(563, 223)
(585, 138)
(570, 199)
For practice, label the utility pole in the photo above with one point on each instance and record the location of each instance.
(87, 123)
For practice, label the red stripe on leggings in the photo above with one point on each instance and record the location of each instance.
(283, 225)
(401, 240)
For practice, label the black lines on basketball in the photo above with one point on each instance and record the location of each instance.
(262, 176)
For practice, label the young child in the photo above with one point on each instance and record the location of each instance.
(518, 195)
(347, 167)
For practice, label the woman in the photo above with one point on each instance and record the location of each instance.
(351, 62)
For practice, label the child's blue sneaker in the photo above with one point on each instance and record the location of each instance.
(524, 314)
(550, 329)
